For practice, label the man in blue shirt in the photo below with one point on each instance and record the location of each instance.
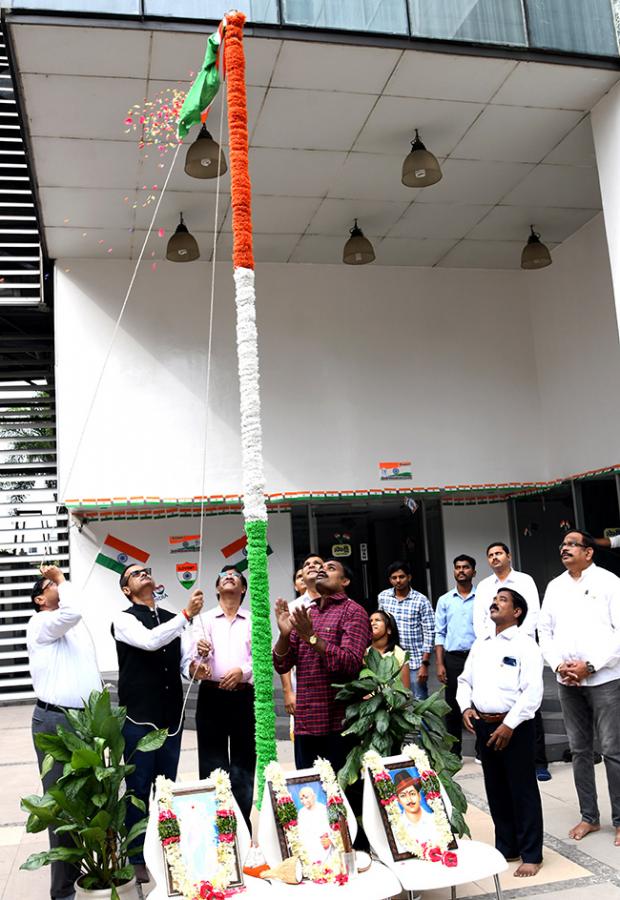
(414, 617)
(454, 635)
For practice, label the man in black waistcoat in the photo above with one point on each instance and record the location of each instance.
(154, 647)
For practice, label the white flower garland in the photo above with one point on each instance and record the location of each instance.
(392, 808)
(225, 849)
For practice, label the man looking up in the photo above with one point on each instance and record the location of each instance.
(454, 635)
(153, 649)
(503, 575)
(225, 710)
(579, 631)
(416, 627)
(64, 671)
(326, 642)
(305, 584)
(499, 691)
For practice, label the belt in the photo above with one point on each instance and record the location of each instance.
(242, 686)
(462, 653)
(492, 717)
(51, 707)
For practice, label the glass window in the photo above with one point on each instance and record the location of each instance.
(486, 21)
(122, 7)
(573, 25)
(385, 16)
(255, 10)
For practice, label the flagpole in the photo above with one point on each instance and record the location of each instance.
(254, 507)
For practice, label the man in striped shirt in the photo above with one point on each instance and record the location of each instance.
(416, 624)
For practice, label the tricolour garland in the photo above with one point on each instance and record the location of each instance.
(286, 813)
(170, 837)
(386, 793)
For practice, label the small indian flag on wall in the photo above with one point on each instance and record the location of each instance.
(187, 543)
(187, 573)
(395, 471)
(116, 554)
(236, 553)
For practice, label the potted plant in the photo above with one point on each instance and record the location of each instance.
(88, 801)
(381, 712)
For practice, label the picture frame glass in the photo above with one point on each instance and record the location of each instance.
(310, 801)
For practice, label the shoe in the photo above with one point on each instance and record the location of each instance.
(543, 773)
(477, 760)
(597, 759)
(142, 873)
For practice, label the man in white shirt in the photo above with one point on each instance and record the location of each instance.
(63, 665)
(579, 631)
(499, 691)
(503, 575)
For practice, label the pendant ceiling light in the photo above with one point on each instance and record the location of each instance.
(535, 255)
(420, 168)
(358, 250)
(182, 246)
(204, 157)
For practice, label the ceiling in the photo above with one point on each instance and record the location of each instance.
(329, 128)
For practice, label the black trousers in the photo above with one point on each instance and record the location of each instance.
(454, 663)
(512, 791)
(225, 731)
(541, 750)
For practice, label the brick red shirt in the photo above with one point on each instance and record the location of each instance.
(343, 624)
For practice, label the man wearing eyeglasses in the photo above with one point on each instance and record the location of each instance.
(154, 648)
(579, 632)
(63, 665)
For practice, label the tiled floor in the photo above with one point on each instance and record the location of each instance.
(571, 871)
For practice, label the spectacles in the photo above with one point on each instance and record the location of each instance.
(145, 571)
(572, 544)
(232, 572)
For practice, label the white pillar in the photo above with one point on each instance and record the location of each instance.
(606, 132)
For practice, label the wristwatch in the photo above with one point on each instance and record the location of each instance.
(313, 639)
(590, 668)
(426, 662)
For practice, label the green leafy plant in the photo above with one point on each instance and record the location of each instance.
(88, 801)
(381, 712)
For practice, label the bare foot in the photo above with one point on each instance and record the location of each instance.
(526, 870)
(583, 828)
(617, 838)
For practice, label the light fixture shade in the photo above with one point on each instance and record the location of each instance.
(182, 246)
(204, 157)
(420, 168)
(358, 250)
(535, 255)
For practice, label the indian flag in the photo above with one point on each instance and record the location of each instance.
(187, 573)
(116, 554)
(184, 543)
(236, 553)
(202, 93)
(394, 471)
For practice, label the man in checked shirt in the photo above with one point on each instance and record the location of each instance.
(416, 624)
(326, 642)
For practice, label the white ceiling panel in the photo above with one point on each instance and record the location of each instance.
(308, 119)
(390, 127)
(318, 248)
(555, 87)
(516, 134)
(178, 56)
(62, 50)
(89, 107)
(438, 220)
(372, 176)
(410, 252)
(558, 186)
(198, 211)
(577, 148)
(484, 255)
(67, 162)
(297, 173)
(512, 223)
(75, 207)
(439, 76)
(268, 248)
(99, 243)
(329, 66)
(279, 215)
(474, 182)
(336, 217)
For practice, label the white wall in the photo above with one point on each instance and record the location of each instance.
(432, 365)
(605, 120)
(100, 588)
(578, 354)
(470, 529)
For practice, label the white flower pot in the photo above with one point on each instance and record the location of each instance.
(128, 890)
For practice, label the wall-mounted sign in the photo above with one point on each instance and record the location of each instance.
(395, 471)
(340, 550)
(364, 552)
(184, 543)
(187, 573)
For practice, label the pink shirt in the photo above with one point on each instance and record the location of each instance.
(231, 640)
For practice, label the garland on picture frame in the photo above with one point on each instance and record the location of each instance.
(286, 814)
(386, 793)
(169, 832)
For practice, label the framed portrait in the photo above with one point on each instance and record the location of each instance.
(412, 825)
(195, 809)
(310, 801)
